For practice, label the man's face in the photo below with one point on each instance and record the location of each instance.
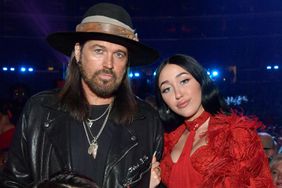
(102, 66)
(268, 145)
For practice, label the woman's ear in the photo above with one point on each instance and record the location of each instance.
(77, 52)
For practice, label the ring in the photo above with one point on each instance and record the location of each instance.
(159, 169)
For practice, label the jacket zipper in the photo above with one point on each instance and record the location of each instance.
(121, 158)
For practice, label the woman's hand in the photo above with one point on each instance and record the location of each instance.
(155, 173)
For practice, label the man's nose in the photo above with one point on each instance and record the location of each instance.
(108, 62)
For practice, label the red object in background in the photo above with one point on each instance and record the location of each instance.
(6, 139)
(60, 83)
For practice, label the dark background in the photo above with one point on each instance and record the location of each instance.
(241, 37)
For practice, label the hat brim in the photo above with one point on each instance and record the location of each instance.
(139, 54)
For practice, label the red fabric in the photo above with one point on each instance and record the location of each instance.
(196, 123)
(6, 138)
(182, 172)
(233, 157)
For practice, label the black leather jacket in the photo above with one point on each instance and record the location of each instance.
(41, 146)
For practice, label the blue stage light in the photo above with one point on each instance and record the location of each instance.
(22, 69)
(268, 67)
(4, 68)
(276, 67)
(12, 69)
(30, 69)
(136, 74)
(215, 73)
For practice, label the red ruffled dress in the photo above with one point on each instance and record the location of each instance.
(232, 158)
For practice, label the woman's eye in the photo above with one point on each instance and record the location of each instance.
(184, 81)
(165, 90)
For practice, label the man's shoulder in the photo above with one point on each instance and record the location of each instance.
(144, 106)
(47, 97)
(145, 110)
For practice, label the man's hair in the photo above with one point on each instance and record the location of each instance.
(73, 99)
(212, 101)
(67, 180)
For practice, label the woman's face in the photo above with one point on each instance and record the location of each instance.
(276, 172)
(180, 91)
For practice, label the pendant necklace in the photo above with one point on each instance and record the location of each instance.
(93, 144)
(90, 122)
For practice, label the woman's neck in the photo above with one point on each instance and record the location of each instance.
(197, 114)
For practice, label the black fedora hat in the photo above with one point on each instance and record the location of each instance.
(107, 22)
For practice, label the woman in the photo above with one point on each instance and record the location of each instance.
(212, 145)
(276, 170)
(7, 129)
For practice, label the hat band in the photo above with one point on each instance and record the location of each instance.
(106, 28)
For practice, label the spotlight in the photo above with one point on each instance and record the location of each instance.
(214, 73)
(23, 69)
(136, 74)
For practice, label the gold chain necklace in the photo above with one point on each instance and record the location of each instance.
(90, 122)
(93, 144)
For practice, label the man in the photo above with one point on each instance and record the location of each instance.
(94, 126)
(268, 144)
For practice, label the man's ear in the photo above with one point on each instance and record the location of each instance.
(77, 52)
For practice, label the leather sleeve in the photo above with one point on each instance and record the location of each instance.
(15, 172)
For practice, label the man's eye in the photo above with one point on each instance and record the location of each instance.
(98, 51)
(120, 54)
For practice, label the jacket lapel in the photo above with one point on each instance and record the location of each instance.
(58, 133)
(123, 140)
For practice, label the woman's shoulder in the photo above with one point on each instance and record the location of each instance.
(235, 122)
(237, 132)
(237, 148)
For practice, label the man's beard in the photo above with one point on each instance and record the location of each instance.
(102, 88)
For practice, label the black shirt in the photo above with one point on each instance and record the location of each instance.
(83, 163)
